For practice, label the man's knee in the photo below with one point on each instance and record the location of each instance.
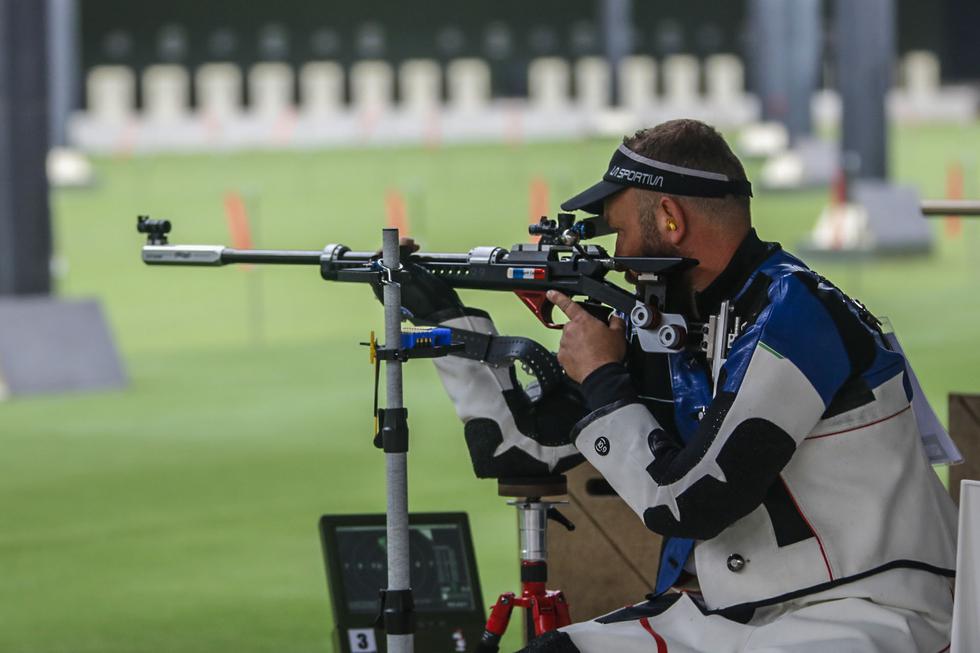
(551, 642)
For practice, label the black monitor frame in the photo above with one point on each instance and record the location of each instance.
(444, 621)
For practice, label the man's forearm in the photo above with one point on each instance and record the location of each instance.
(503, 431)
(609, 384)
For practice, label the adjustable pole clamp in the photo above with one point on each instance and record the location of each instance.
(396, 615)
(393, 435)
(387, 273)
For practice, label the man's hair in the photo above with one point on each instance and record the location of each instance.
(693, 144)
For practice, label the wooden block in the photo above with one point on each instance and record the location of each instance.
(610, 560)
(964, 428)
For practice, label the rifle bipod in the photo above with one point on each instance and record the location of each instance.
(545, 609)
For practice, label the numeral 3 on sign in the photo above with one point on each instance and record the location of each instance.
(362, 640)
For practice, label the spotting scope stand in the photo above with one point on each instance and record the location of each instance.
(397, 609)
(544, 610)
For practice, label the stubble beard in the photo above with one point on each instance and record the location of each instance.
(680, 292)
(655, 244)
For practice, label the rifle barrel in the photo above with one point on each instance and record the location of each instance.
(277, 256)
(220, 255)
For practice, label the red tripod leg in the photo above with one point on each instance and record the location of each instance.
(496, 624)
(561, 607)
(542, 614)
(550, 612)
(539, 615)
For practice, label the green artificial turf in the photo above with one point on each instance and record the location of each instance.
(180, 514)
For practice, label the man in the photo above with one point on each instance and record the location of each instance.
(793, 488)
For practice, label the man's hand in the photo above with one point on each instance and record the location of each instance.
(426, 297)
(587, 343)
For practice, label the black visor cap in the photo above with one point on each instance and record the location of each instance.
(629, 169)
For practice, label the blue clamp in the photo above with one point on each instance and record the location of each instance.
(426, 337)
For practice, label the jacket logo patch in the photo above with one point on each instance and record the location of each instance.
(602, 445)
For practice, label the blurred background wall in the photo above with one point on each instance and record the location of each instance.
(508, 34)
(222, 73)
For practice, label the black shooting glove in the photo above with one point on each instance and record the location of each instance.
(425, 297)
(548, 418)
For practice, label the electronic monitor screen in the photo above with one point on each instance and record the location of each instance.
(444, 579)
(440, 577)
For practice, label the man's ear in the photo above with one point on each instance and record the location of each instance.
(673, 219)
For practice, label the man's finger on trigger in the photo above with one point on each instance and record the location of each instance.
(617, 323)
(565, 303)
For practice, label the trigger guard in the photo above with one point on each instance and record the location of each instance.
(547, 311)
(537, 302)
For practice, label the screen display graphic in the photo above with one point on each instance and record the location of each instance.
(440, 576)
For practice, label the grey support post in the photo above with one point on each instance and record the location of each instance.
(804, 65)
(885, 218)
(398, 606)
(865, 41)
(46, 344)
(785, 61)
(63, 58)
(617, 37)
(25, 228)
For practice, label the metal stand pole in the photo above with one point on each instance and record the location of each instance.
(64, 55)
(25, 225)
(398, 607)
(864, 37)
(617, 37)
(785, 61)
(532, 529)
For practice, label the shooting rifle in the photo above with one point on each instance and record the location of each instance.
(558, 261)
